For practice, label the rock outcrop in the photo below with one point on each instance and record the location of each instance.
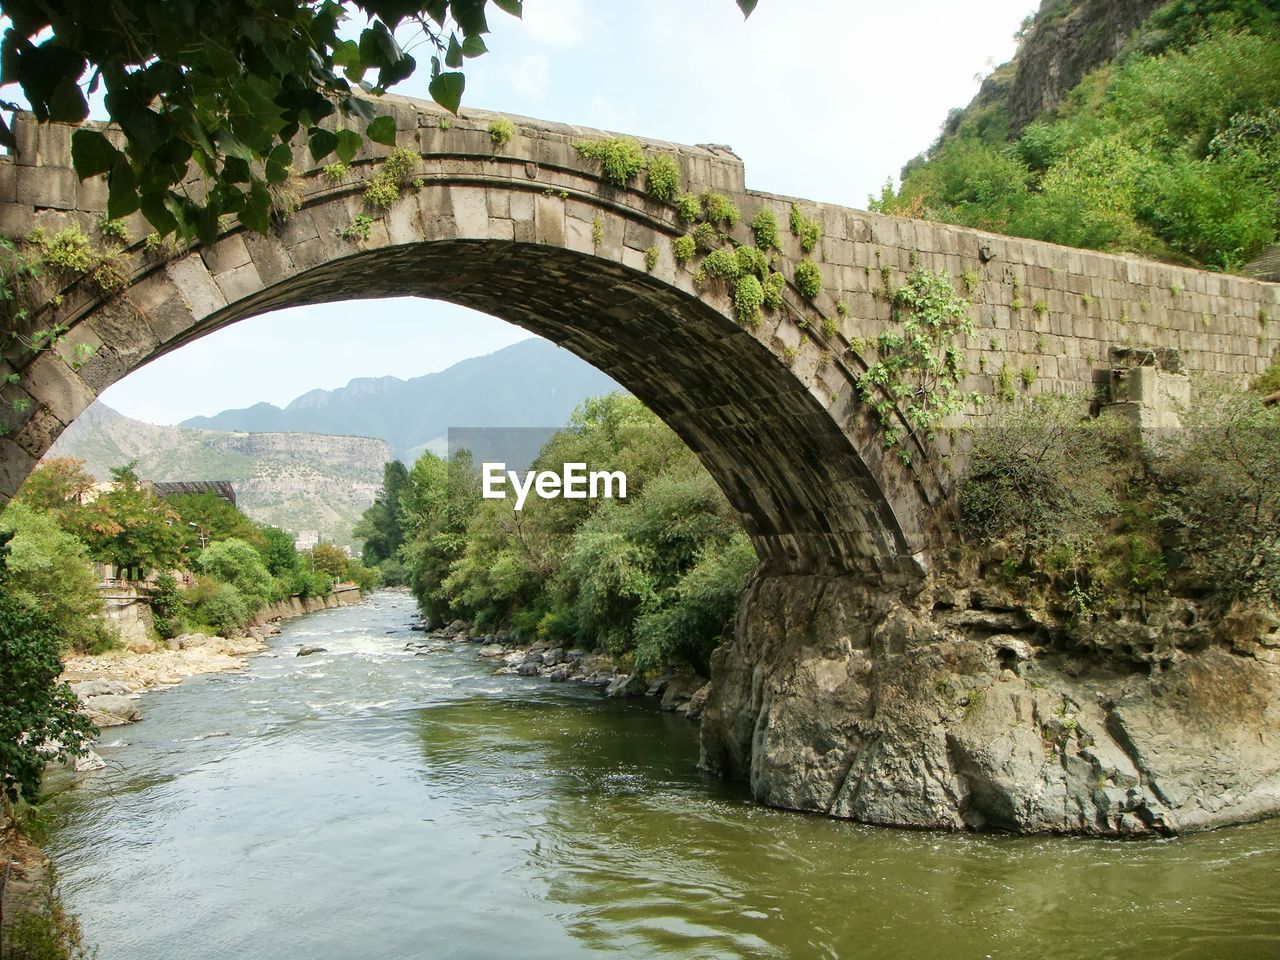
(958, 710)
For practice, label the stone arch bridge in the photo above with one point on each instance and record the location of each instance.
(527, 230)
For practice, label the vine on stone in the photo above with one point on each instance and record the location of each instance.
(919, 371)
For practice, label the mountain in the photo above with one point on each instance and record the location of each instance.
(532, 383)
(1131, 126)
(297, 481)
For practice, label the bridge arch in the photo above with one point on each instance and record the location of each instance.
(531, 234)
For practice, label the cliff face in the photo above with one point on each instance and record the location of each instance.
(297, 481)
(1064, 41)
(1067, 40)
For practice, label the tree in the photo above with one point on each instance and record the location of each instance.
(381, 527)
(206, 517)
(58, 487)
(39, 720)
(260, 73)
(50, 569)
(327, 558)
(237, 563)
(278, 552)
(132, 527)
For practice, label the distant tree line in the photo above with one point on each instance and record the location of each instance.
(655, 577)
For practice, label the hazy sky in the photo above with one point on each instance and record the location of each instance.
(822, 99)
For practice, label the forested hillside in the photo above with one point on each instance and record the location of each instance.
(1120, 125)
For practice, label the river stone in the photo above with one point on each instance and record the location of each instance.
(559, 674)
(101, 688)
(87, 762)
(680, 689)
(111, 711)
(553, 656)
(527, 669)
(491, 650)
(624, 685)
(308, 649)
(535, 657)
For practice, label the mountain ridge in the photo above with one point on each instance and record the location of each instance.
(532, 383)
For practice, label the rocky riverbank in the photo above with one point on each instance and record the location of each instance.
(681, 693)
(965, 707)
(110, 685)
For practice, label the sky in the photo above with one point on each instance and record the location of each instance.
(822, 99)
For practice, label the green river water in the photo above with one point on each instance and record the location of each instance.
(369, 803)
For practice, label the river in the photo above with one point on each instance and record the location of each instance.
(369, 803)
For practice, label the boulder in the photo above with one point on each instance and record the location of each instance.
(112, 711)
(534, 656)
(491, 650)
(624, 685)
(558, 675)
(101, 688)
(697, 703)
(679, 689)
(308, 649)
(87, 762)
(553, 656)
(527, 669)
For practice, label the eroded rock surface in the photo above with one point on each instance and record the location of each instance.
(935, 711)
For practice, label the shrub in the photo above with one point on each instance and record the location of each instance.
(688, 207)
(663, 177)
(719, 265)
(920, 368)
(381, 192)
(400, 165)
(1218, 477)
(620, 158)
(683, 249)
(808, 279)
(335, 172)
(650, 258)
(501, 130)
(720, 209)
(752, 260)
(808, 231)
(706, 237)
(40, 720)
(765, 227)
(1040, 480)
(225, 609)
(235, 562)
(774, 284)
(748, 299)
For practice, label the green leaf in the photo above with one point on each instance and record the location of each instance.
(92, 153)
(747, 7)
(157, 213)
(453, 55)
(349, 144)
(513, 7)
(473, 46)
(382, 130)
(321, 142)
(446, 90)
(122, 190)
(67, 103)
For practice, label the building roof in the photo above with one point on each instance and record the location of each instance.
(223, 488)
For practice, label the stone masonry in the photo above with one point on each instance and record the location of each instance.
(829, 643)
